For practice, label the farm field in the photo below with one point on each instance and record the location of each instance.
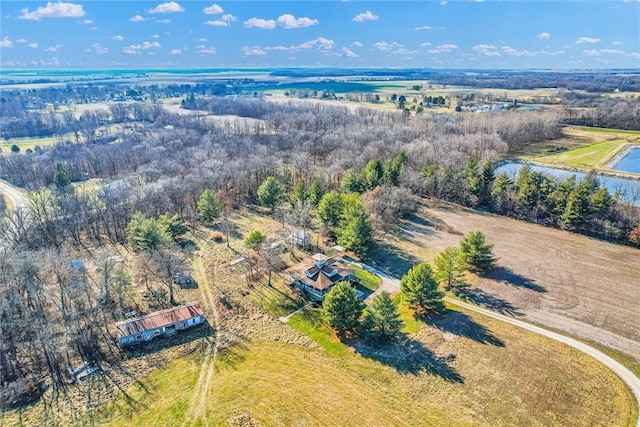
(581, 147)
(552, 277)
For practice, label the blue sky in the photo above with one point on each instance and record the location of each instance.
(440, 33)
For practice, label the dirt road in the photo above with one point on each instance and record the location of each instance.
(625, 374)
(18, 198)
(392, 286)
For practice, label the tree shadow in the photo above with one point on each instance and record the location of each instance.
(461, 324)
(391, 259)
(509, 277)
(410, 356)
(479, 297)
(232, 355)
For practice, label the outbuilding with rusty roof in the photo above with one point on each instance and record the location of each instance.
(159, 324)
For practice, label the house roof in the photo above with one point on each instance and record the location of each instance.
(317, 276)
(158, 319)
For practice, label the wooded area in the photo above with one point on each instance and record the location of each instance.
(54, 310)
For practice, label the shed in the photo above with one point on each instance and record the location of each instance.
(160, 323)
(300, 238)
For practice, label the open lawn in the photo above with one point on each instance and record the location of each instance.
(368, 280)
(580, 147)
(563, 280)
(461, 369)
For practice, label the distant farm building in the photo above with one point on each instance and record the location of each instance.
(317, 275)
(159, 324)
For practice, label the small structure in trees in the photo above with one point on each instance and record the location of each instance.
(183, 279)
(300, 238)
(162, 323)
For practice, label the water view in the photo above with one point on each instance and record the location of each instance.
(630, 161)
(628, 189)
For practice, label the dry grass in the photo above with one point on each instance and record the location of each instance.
(281, 384)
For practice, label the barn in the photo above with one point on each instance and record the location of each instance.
(159, 324)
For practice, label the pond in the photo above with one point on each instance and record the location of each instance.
(628, 188)
(629, 161)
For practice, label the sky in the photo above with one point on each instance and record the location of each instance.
(477, 34)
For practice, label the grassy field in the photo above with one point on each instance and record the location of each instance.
(460, 370)
(25, 143)
(580, 147)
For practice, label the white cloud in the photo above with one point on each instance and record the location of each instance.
(590, 52)
(424, 27)
(54, 48)
(634, 55)
(356, 44)
(98, 49)
(260, 23)
(426, 44)
(347, 53)
(366, 16)
(403, 51)
(33, 45)
(508, 50)
(135, 49)
(214, 9)
(155, 36)
(6, 42)
(169, 7)
(443, 2)
(617, 43)
(587, 40)
(612, 51)
(443, 48)
(543, 36)
(289, 21)
(117, 38)
(384, 46)
(54, 10)
(253, 51)
(87, 22)
(21, 41)
(175, 52)
(163, 21)
(207, 51)
(216, 23)
(137, 18)
(478, 1)
(225, 21)
(322, 44)
(202, 40)
(131, 50)
(486, 50)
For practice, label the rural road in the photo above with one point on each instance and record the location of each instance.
(17, 197)
(392, 285)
